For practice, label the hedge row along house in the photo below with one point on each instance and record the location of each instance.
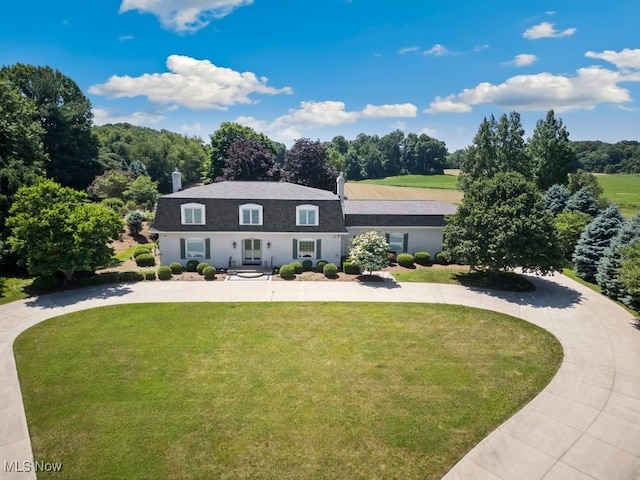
(259, 225)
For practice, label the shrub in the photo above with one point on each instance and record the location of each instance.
(108, 277)
(164, 272)
(131, 276)
(320, 265)
(192, 265)
(307, 265)
(45, 283)
(288, 271)
(134, 221)
(209, 273)
(297, 267)
(114, 204)
(145, 260)
(201, 266)
(330, 270)
(405, 260)
(149, 274)
(441, 258)
(85, 281)
(422, 258)
(140, 251)
(176, 268)
(350, 268)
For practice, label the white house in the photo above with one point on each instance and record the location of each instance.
(235, 224)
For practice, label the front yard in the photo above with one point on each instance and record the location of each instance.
(288, 390)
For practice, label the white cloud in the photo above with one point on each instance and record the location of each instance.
(125, 38)
(428, 131)
(588, 88)
(196, 127)
(546, 30)
(102, 116)
(438, 50)
(184, 15)
(406, 50)
(312, 115)
(624, 59)
(523, 60)
(191, 83)
(480, 48)
(403, 110)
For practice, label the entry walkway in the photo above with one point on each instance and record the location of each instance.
(584, 425)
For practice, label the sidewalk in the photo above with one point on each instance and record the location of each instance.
(584, 425)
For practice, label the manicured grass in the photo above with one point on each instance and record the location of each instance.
(448, 182)
(622, 189)
(462, 276)
(13, 288)
(127, 253)
(290, 390)
(569, 272)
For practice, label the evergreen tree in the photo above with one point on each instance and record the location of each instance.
(611, 261)
(582, 201)
(556, 198)
(595, 240)
(552, 154)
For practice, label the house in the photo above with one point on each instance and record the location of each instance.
(234, 224)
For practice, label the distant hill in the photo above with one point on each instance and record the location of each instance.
(601, 157)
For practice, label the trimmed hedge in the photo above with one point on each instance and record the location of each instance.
(176, 268)
(441, 258)
(320, 265)
(131, 276)
(149, 274)
(209, 273)
(108, 277)
(201, 266)
(422, 258)
(330, 270)
(164, 272)
(288, 271)
(307, 265)
(145, 260)
(297, 267)
(140, 251)
(350, 268)
(405, 260)
(85, 281)
(192, 265)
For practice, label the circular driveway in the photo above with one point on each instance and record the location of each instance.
(584, 425)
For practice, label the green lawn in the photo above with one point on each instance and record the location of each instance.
(128, 253)
(448, 182)
(278, 391)
(463, 276)
(622, 189)
(13, 288)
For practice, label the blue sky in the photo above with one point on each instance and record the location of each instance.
(320, 68)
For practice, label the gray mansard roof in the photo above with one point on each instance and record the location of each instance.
(255, 191)
(222, 202)
(394, 213)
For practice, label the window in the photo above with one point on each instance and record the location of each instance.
(306, 248)
(397, 242)
(192, 214)
(307, 215)
(250, 214)
(195, 248)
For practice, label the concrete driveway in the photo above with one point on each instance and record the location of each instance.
(584, 425)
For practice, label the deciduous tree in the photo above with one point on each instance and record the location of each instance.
(629, 274)
(552, 154)
(306, 163)
(250, 160)
(569, 226)
(55, 229)
(502, 224)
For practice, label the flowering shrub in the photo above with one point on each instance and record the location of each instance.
(369, 251)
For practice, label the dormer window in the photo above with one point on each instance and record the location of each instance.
(192, 214)
(250, 214)
(307, 215)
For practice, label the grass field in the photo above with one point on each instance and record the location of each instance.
(448, 182)
(622, 189)
(286, 391)
(13, 288)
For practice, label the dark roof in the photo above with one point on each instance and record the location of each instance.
(255, 191)
(396, 213)
(398, 207)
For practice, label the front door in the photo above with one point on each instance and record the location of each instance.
(252, 254)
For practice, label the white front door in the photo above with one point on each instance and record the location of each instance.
(252, 251)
